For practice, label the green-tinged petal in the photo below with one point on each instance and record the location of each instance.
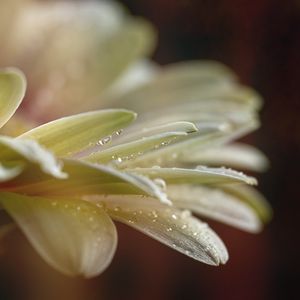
(251, 197)
(234, 155)
(208, 136)
(30, 152)
(87, 179)
(12, 91)
(172, 227)
(73, 236)
(69, 135)
(132, 150)
(215, 204)
(200, 175)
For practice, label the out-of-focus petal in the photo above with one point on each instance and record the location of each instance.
(215, 204)
(235, 155)
(251, 197)
(12, 91)
(73, 236)
(174, 228)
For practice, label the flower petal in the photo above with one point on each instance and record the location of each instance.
(30, 152)
(235, 155)
(73, 236)
(202, 175)
(251, 197)
(131, 150)
(215, 204)
(172, 227)
(86, 179)
(69, 135)
(12, 91)
(7, 173)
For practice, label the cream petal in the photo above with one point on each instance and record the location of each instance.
(200, 175)
(73, 236)
(30, 152)
(235, 155)
(7, 173)
(215, 204)
(171, 227)
(87, 179)
(251, 197)
(12, 91)
(69, 135)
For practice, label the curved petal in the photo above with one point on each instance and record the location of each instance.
(32, 153)
(174, 228)
(215, 204)
(200, 175)
(234, 155)
(73, 236)
(69, 135)
(12, 91)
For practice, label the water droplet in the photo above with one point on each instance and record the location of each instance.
(169, 229)
(184, 226)
(119, 132)
(54, 203)
(104, 140)
(78, 208)
(160, 183)
(174, 217)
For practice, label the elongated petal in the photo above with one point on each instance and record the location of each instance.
(12, 91)
(73, 236)
(201, 174)
(251, 197)
(30, 152)
(69, 135)
(215, 204)
(87, 179)
(234, 155)
(176, 229)
(136, 148)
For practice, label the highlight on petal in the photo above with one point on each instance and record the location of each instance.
(30, 152)
(7, 173)
(215, 204)
(174, 228)
(202, 175)
(69, 135)
(234, 155)
(12, 91)
(73, 236)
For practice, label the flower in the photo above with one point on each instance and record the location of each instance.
(65, 181)
(104, 172)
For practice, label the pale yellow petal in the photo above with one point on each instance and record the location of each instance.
(12, 91)
(174, 228)
(73, 236)
(69, 135)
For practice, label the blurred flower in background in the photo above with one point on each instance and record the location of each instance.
(87, 55)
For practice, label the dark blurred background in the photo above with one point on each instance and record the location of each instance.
(260, 41)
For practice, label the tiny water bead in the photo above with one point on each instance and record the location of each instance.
(104, 141)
